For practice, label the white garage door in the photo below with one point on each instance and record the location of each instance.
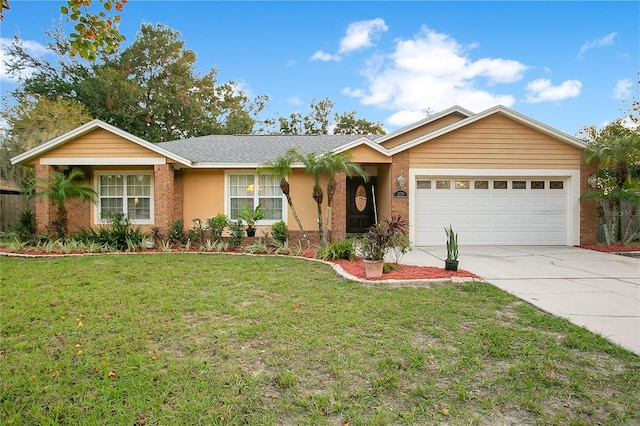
(507, 211)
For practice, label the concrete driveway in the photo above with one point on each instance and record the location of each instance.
(599, 291)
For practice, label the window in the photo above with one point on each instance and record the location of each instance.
(462, 184)
(499, 184)
(519, 184)
(443, 184)
(251, 190)
(128, 193)
(537, 184)
(556, 184)
(423, 184)
(481, 184)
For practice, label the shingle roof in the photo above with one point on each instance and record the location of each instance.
(252, 149)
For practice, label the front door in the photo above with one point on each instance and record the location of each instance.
(360, 204)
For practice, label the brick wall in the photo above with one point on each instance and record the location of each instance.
(44, 210)
(588, 208)
(164, 197)
(400, 165)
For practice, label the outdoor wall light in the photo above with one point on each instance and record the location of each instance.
(401, 181)
(593, 181)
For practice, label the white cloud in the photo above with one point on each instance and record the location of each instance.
(294, 100)
(323, 56)
(433, 71)
(361, 34)
(32, 47)
(622, 89)
(601, 42)
(542, 90)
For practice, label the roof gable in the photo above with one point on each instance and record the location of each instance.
(511, 114)
(87, 128)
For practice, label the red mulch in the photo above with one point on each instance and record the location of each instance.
(613, 248)
(404, 272)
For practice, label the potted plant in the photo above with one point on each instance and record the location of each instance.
(451, 263)
(378, 240)
(251, 216)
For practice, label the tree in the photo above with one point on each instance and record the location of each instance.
(151, 89)
(281, 168)
(317, 122)
(59, 188)
(348, 124)
(31, 122)
(616, 150)
(338, 163)
(94, 32)
(314, 167)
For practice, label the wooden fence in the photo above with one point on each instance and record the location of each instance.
(12, 204)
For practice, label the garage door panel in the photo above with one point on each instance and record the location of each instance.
(491, 216)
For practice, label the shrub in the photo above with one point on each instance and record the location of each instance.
(237, 233)
(25, 229)
(196, 233)
(216, 226)
(176, 231)
(280, 232)
(119, 234)
(339, 249)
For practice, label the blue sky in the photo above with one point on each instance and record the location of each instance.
(566, 64)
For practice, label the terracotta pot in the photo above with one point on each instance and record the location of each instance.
(373, 268)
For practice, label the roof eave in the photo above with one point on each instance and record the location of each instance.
(88, 127)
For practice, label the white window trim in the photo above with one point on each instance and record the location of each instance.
(227, 204)
(98, 173)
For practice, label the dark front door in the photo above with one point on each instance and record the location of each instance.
(360, 204)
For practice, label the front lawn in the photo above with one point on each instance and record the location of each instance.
(177, 339)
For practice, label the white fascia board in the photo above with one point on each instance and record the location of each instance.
(424, 121)
(362, 141)
(81, 161)
(501, 109)
(86, 128)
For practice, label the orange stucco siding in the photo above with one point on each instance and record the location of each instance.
(495, 142)
(100, 143)
(365, 154)
(203, 194)
(423, 130)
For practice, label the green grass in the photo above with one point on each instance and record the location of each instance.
(220, 339)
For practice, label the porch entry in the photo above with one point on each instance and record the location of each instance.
(360, 204)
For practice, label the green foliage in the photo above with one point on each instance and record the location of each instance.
(380, 238)
(400, 245)
(452, 244)
(25, 229)
(216, 225)
(251, 216)
(280, 232)
(237, 233)
(61, 187)
(197, 231)
(258, 247)
(176, 231)
(93, 31)
(119, 234)
(339, 249)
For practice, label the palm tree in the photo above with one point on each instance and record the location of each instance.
(59, 188)
(281, 168)
(314, 167)
(334, 164)
(616, 150)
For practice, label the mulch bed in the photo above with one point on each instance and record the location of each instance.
(404, 272)
(613, 248)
